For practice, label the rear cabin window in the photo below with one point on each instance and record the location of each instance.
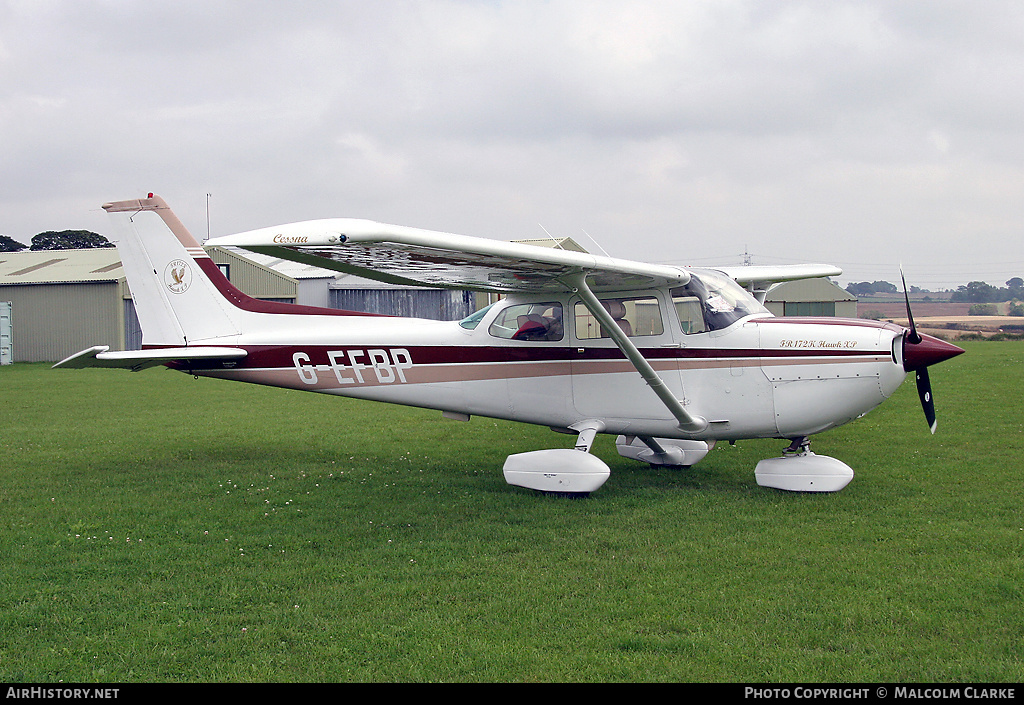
(634, 316)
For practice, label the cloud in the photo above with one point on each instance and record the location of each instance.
(854, 132)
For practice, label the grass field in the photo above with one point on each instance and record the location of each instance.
(160, 528)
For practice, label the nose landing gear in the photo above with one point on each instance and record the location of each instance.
(800, 470)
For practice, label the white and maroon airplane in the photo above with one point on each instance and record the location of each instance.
(669, 359)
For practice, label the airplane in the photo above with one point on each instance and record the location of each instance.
(671, 360)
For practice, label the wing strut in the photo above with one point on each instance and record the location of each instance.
(687, 421)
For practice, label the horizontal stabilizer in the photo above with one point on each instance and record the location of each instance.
(135, 360)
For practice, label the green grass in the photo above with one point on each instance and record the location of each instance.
(160, 528)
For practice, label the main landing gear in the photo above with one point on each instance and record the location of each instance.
(568, 471)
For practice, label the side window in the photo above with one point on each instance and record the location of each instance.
(691, 316)
(635, 316)
(541, 321)
(471, 321)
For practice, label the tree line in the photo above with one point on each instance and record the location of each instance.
(54, 240)
(984, 293)
(974, 292)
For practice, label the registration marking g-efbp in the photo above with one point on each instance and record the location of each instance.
(388, 366)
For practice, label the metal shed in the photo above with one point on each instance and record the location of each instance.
(560, 243)
(253, 278)
(64, 300)
(357, 294)
(272, 278)
(811, 297)
(6, 340)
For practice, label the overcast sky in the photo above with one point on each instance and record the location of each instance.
(864, 134)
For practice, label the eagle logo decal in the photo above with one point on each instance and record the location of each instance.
(178, 276)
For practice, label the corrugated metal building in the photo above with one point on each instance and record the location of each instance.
(357, 294)
(6, 340)
(810, 297)
(277, 279)
(63, 301)
(255, 279)
(294, 282)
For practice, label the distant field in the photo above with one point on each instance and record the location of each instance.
(161, 528)
(944, 319)
(921, 309)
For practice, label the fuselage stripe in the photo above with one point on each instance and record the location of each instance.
(347, 366)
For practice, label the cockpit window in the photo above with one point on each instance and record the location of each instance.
(712, 301)
(539, 321)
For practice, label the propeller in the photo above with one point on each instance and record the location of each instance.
(914, 336)
(924, 393)
(920, 351)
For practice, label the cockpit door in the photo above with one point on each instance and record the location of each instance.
(605, 384)
(720, 361)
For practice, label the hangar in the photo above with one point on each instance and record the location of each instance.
(811, 297)
(357, 294)
(63, 301)
(274, 279)
(314, 286)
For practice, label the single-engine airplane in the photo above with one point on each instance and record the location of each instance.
(669, 359)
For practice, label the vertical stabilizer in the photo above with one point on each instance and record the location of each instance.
(169, 275)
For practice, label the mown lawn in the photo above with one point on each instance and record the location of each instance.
(161, 528)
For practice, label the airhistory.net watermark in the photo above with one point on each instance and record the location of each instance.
(50, 693)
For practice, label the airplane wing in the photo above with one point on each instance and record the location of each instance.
(758, 274)
(757, 279)
(136, 360)
(414, 257)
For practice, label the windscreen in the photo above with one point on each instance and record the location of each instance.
(712, 301)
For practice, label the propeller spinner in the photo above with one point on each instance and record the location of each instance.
(919, 352)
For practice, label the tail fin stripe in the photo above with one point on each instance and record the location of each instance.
(247, 303)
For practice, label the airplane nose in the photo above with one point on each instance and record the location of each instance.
(929, 350)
